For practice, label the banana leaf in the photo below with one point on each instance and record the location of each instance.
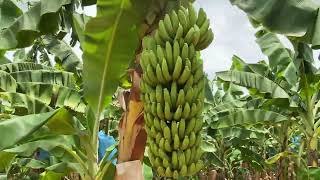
(24, 66)
(7, 82)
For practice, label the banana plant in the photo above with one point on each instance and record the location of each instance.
(288, 87)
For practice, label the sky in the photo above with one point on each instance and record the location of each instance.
(233, 33)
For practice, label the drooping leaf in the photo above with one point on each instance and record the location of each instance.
(53, 95)
(8, 12)
(7, 82)
(46, 143)
(69, 60)
(14, 67)
(252, 80)
(79, 22)
(110, 42)
(280, 60)
(6, 160)
(40, 19)
(45, 76)
(291, 18)
(248, 117)
(241, 133)
(14, 130)
(23, 104)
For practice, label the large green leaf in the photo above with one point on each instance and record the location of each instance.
(23, 104)
(241, 133)
(47, 143)
(7, 82)
(280, 60)
(248, 117)
(110, 42)
(40, 19)
(8, 12)
(69, 60)
(45, 76)
(291, 18)
(79, 22)
(14, 67)
(53, 95)
(6, 160)
(14, 130)
(252, 80)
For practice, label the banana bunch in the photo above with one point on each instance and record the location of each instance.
(172, 90)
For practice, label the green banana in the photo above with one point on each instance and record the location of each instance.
(182, 127)
(183, 19)
(192, 139)
(192, 52)
(184, 170)
(192, 169)
(163, 124)
(161, 143)
(165, 163)
(169, 55)
(176, 51)
(188, 155)
(159, 94)
(176, 142)
(168, 172)
(160, 75)
(175, 174)
(154, 109)
(174, 128)
(174, 19)
(181, 98)
(177, 69)
(204, 27)
(167, 112)
(158, 38)
(165, 71)
(172, 90)
(191, 125)
(153, 132)
(181, 159)
(199, 165)
(168, 24)
(185, 51)
(189, 36)
(198, 126)
(158, 137)
(163, 32)
(157, 162)
(177, 114)
(207, 40)
(150, 74)
(188, 84)
(192, 14)
(179, 33)
(160, 111)
(174, 160)
(197, 35)
(189, 95)
(167, 145)
(185, 75)
(186, 111)
(198, 140)
(161, 171)
(202, 16)
(185, 143)
(167, 97)
(173, 93)
(167, 133)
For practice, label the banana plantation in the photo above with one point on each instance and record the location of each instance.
(120, 90)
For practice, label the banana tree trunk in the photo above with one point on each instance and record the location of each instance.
(283, 174)
(132, 134)
(312, 152)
